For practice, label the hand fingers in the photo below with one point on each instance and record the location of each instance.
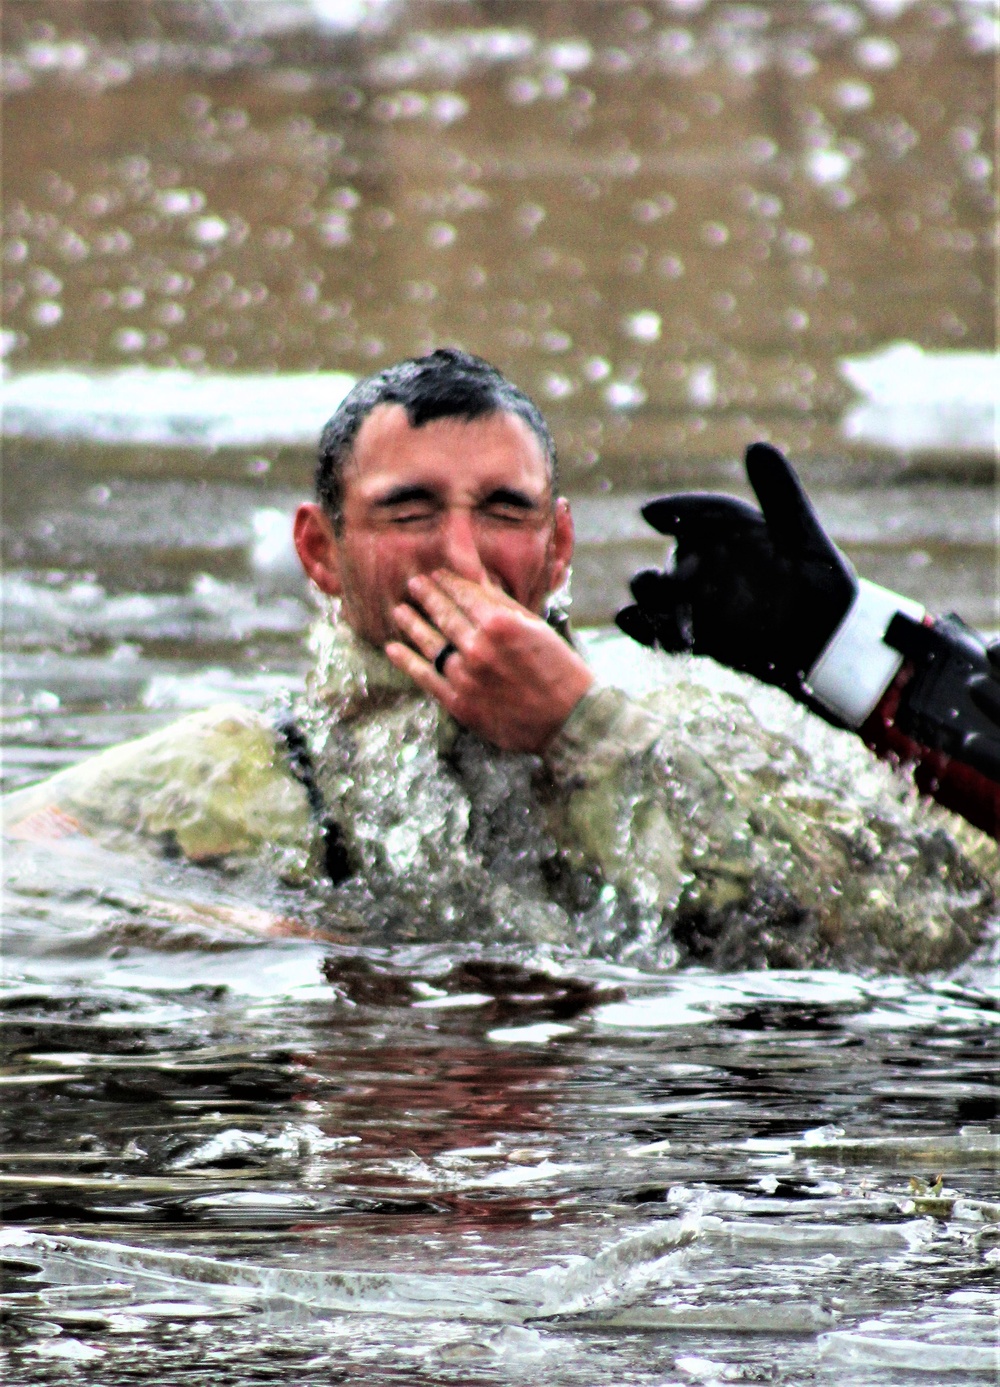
(475, 600)
(655, 591)
(442, 608)
(675, 631)
(634, 624)
(664, 606)
(427, 638)
(793, 524)
(691, 512)
(421, 671)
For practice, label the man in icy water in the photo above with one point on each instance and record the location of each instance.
(455, 771)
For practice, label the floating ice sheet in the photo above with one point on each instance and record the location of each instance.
(266, 17)
(695, 998)
(42, 613)
(613, 1278)
(873, 1351)
(170, 408)
(916, 400)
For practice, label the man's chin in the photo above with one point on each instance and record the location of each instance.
(366, 631)
(379, 637)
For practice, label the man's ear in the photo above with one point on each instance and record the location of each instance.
(563, 538)
(316, 547)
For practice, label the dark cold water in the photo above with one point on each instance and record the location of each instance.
(239, 1157)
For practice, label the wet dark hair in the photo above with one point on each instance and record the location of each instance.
(447, 384)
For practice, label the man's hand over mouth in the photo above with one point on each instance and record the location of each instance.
(511, 679)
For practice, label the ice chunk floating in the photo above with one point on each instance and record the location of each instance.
(609, 1281)
(920, 401)
(913, 400)
(171, 408)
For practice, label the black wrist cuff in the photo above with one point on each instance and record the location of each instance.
(939, 707)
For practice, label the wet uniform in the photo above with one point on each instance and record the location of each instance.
(675, 825)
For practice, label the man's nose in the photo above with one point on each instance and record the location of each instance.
(459, 547)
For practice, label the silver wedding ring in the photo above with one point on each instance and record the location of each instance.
(441, 657)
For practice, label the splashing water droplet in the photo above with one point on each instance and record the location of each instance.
(879, 54)
(596, 369)
(208, 231)
(622, 394)
(129, 340)
(179, 202)
(644, 326)
(440, 235)
(47, 313)
(853, 96)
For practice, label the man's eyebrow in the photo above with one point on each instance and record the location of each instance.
(508, 496)
(405, 495)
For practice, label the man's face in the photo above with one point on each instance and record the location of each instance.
(472, 497)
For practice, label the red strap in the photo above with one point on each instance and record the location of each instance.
(952, 783)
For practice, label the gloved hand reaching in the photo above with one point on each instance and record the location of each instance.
(769, 593)
(759, 590)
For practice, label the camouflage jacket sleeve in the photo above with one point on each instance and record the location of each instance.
(621, 781)
(212, 785)
(685, 800)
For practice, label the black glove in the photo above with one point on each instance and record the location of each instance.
(764, 592)
(952, 702)
(760, 591)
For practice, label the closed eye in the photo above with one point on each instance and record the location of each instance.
(409, 505)
(412, 515)
(416, 505)
(508, 505)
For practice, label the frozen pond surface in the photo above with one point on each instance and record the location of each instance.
(681, 225)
